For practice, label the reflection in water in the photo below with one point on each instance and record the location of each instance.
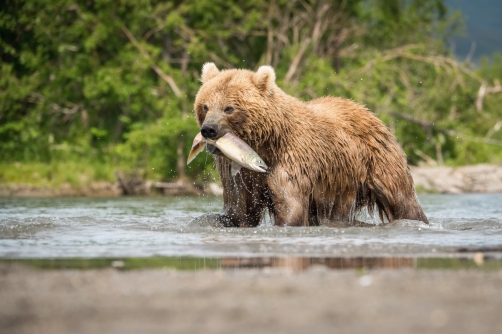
(304, 263)
(290, 264)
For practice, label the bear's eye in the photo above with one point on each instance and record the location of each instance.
(205, 108)
(229, 110)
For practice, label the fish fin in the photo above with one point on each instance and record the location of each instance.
(194, 152)
(236, 168)
(197, 147)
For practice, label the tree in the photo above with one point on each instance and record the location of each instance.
(115, 82)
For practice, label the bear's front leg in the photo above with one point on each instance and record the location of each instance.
(244, 197)
(290, 203)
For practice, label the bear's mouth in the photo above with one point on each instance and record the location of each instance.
(212, 149)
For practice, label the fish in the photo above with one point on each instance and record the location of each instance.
(234, 148)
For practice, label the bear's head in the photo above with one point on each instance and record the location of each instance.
(235, 101)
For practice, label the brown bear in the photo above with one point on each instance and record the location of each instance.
(327, 158)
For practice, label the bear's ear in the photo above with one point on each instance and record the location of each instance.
(265, 78)
(209, 71)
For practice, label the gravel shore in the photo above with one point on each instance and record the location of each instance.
(249, 301)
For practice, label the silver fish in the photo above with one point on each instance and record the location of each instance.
(234, 148)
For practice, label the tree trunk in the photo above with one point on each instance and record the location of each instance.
(119, 126)
(180, 162)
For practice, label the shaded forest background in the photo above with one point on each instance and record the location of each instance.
(93, 86)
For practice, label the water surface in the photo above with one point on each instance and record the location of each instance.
(159, 226)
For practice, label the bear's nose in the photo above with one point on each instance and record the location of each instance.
(208, 131)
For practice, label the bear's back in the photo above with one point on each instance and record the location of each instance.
(338, 109)
(350, 118)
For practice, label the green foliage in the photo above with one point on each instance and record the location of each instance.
(77, 174)
(87, 81)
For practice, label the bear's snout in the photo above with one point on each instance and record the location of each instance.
(209, 131)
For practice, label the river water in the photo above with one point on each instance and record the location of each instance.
(129, 227)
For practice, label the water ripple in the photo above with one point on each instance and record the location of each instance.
(91, 227)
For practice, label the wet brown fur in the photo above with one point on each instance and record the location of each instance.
(328, 158)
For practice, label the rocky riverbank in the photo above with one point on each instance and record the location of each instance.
(457, 180)
(447, 180)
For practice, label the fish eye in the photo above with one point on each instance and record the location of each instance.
(205, 108)
(229, 110)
